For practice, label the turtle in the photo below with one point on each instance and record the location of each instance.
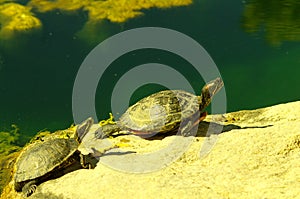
(43, 160)
(162, 112)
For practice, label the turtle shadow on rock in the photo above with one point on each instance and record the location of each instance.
(97, 154)
(203, 127)
(219, 128)
(202, 130)
(47, 195)
(215, 128)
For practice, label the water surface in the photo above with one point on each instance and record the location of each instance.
(255, 48)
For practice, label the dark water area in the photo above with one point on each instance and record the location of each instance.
(256, 51)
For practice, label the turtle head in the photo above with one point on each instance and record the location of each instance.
(208, 91)
(83, 128)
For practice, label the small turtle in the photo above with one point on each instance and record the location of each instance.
(163, 112)
(42, 160)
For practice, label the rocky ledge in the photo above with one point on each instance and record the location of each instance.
(256, 155)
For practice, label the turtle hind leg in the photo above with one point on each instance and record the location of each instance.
(18, 186)
(29, 188)
(84, 163)
(107, 131)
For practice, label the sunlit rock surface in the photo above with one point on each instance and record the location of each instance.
(256, 156)
(261, 17)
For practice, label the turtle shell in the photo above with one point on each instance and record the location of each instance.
(41, 158)
(160, 112)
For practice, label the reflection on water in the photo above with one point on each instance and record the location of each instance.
(278, 19)
(16, 18)
(43, 44)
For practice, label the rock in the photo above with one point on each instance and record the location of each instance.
(256, 156)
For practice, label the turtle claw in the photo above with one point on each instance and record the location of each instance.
(29, 188)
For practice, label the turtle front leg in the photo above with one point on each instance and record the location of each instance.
(83, 162)
(187, 128)
(201, 118)
(29, 188)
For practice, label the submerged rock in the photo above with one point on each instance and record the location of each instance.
(16, 18)
(113, 10)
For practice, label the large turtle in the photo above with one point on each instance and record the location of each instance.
(162, 112)
(42, 160)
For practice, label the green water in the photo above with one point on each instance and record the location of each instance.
(257, 55)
